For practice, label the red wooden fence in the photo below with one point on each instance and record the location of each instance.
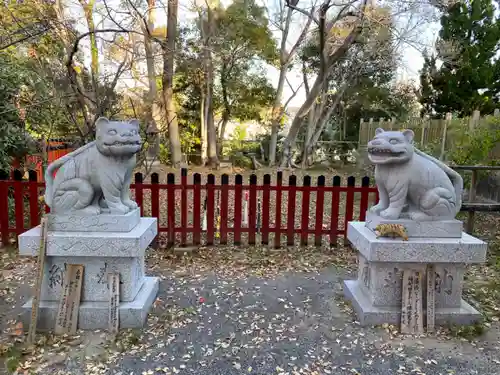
(318, 211)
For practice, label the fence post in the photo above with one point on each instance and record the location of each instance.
(184, 206)
(320, 199)
(171, 209)
(197, 209)
(472, 197)
(365, 195)
(19, 201)
(424, 126)
(210, 209)
(334, 214)
(447, 121)
(473, 121)
(361, 130)
(238, 196)
(306, 198)
(4, 207)
(155, 205)
(33, 199)
(292, 193)
(349, 205)
(252, 214)
(224, 202)
(381, 121)
(266, 197)
(392, 121)
(277, 222)
(138, 191)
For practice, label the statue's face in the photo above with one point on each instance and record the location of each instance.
(117, 138)
(391, 147)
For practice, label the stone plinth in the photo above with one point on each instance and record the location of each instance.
(421, 229)
(100, 252)
(376, 294)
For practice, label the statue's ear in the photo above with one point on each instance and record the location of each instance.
(135, 122)
(408, 133)
(100, 122)
(378, 131)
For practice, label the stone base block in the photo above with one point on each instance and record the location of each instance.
(94, 315)
(92, 244)
(96, 223)
(420, 229)
(466, 249)
(95, 277)
(368, 314)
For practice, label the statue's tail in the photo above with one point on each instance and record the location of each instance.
(455, 177)
(49, 172)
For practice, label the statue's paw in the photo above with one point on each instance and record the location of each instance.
(390, 214)
(119, 210)
(130, 204)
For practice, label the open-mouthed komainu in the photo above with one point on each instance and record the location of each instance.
(96, 178)
(410, 182)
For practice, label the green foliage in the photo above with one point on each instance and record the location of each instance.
(469, 147)
(12, 135)
(241, 43)
(468, 79)
(164, 155)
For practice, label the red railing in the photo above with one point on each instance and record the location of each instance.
(281, 210)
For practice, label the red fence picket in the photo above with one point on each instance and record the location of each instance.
(4, 207)
(184, 206)
(171, 209)
(210, 212)
(224, 205)
(252, 210)
(320, 202)
(277, 225)
(334, 217)
(196, 209)
(266, 198)
(238, 196)
(19, 200)
(304, 223)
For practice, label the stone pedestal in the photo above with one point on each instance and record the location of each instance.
(376, 294)
(102, 244)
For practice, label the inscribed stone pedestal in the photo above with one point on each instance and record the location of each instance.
(94, 223)
(423, 195)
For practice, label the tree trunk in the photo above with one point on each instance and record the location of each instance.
(226, 115)
(151, 127)
(311, 125)
(276, 114)
(321, 123)
(315, 90)
(167, 81)
(213, 159)
(203, 128)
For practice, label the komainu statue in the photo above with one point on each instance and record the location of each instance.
(410, 182)
(96, 178)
